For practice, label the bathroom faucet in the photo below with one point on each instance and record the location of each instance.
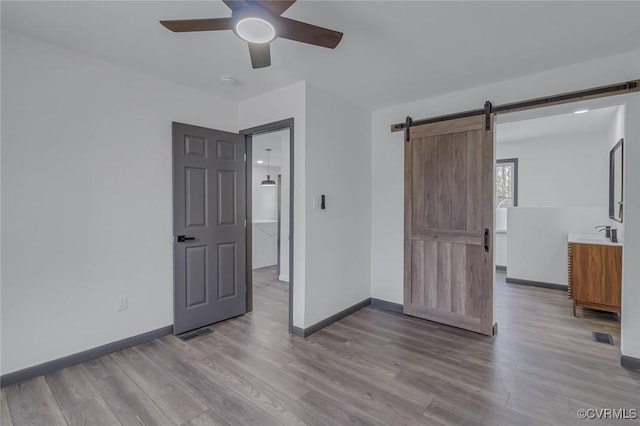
(605, 228)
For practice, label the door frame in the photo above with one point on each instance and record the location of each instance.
(248, 135)
(279, 180)
(615, 100)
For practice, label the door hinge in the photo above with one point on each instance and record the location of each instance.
(245, 223)
(245, 157)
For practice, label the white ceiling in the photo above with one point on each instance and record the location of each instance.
(392, 51)
(595, 121)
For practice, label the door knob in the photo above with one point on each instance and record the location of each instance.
(183, 238)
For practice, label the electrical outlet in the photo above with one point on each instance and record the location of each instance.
(122, 303)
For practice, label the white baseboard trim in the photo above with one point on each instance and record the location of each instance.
(284, 278)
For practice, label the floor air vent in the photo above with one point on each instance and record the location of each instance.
(603, 338)
(197, 333)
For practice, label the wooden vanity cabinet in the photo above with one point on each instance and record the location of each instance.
(595, 276)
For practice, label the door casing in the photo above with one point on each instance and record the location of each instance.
(248, 134)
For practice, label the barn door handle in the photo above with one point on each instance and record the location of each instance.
(183, 238)
(486, 240)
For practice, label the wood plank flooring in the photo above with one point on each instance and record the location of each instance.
(371, 368)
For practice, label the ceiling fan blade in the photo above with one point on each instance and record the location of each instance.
(307, 33)
(260, 55)
(235, 4)
(277, 7)
(210, 24)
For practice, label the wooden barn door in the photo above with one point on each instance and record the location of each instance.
(449, 222)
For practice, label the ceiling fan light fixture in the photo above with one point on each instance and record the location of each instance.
(255, 30)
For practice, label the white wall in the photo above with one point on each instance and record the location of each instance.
(630, 341)
(281, 104)
(331, 156)
(388, 165)
(626, 125)
(264, 206)
(500, 249)
(537, 240)
(617, 129)
(264, 244)
(554, 171)
(338, 238)
(264, 198)
(615, 133)
(284, 205)
(86, 198)
(570, 171)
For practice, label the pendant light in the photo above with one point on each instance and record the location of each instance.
(268, 181)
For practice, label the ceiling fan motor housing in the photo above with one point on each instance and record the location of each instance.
(260, 16)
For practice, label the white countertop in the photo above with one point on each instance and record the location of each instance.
(598, 239)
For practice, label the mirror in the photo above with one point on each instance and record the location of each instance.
(616, 159)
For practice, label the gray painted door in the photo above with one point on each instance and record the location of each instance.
(209, 212)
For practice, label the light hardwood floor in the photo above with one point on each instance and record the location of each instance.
(373, 367)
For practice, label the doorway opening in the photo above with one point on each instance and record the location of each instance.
(214, 188)
(270, 219)
(557, 245)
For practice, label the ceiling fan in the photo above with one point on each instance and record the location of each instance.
(258, 22)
